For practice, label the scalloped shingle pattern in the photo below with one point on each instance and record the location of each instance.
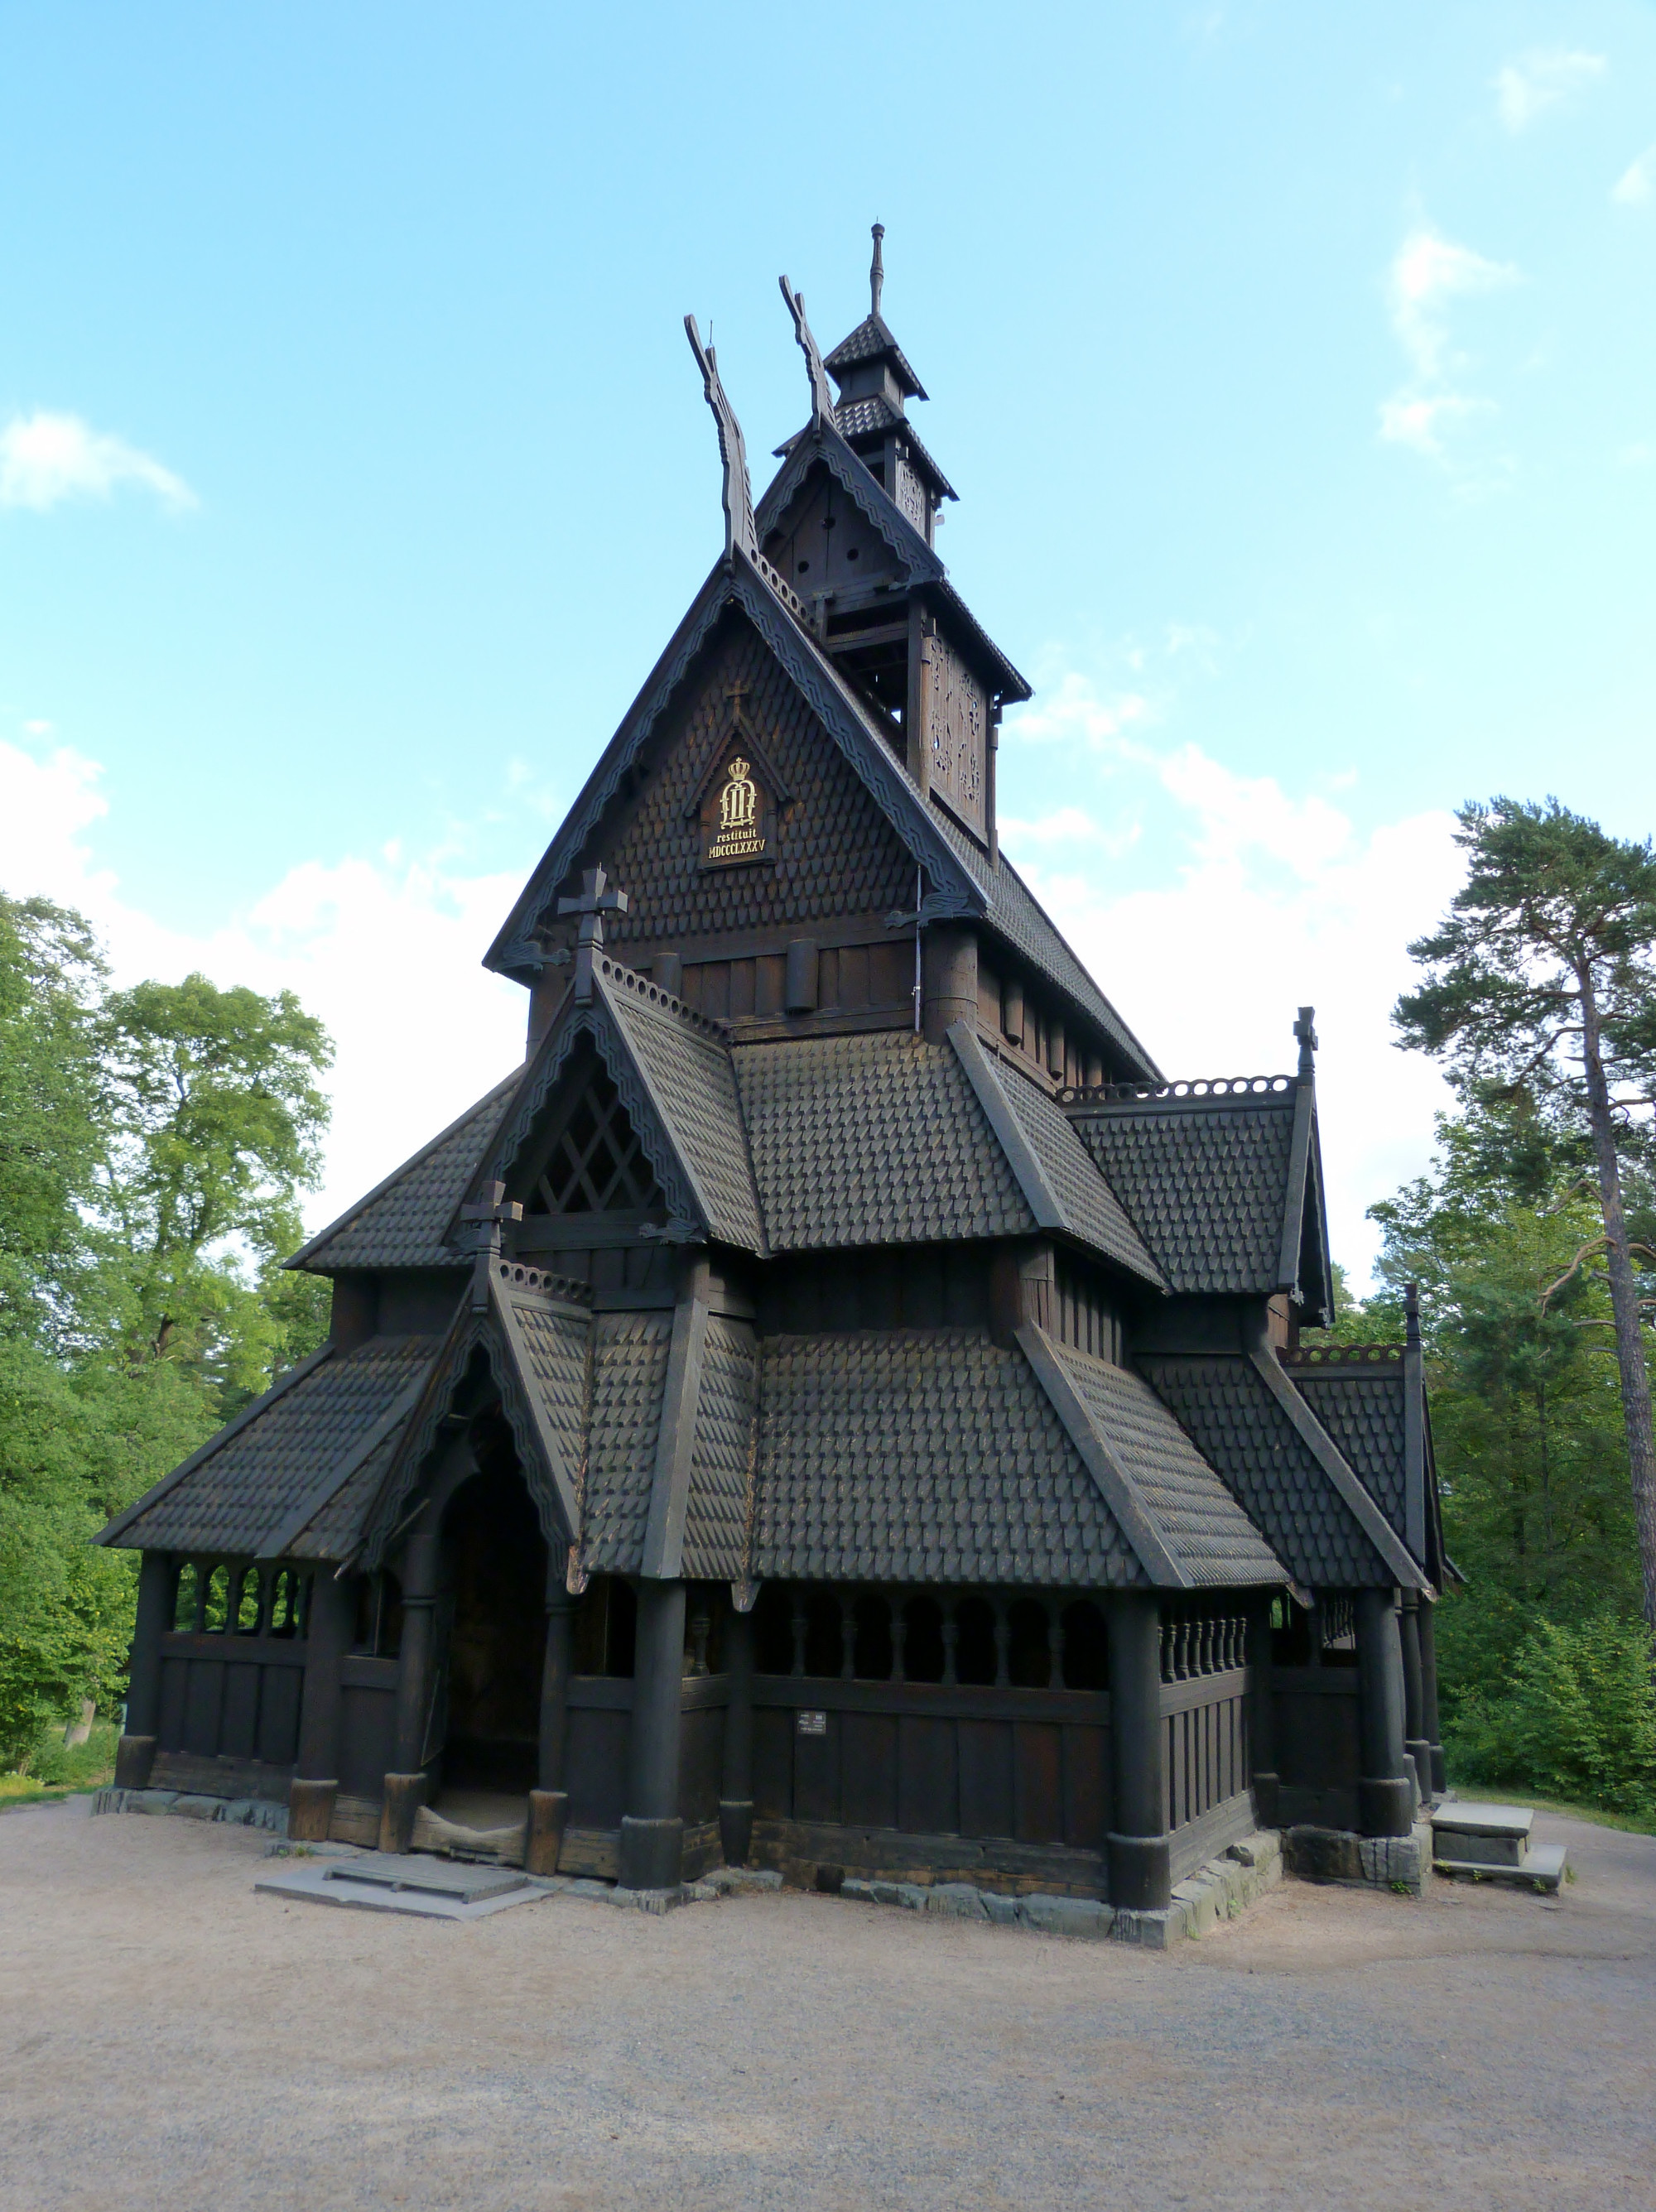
(1363, 1413)
(690, 1075)
(716, 1511)
(247, 1487)
(401, 1223)
(1236, 1424)
(629, 1370)
(1090, 1207)
(874, 1139)
(1207, 1189)
(836, 853)
(1201, 1523)
(557, 1347)
(923, 1456)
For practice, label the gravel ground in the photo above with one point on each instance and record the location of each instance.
(170, 2039)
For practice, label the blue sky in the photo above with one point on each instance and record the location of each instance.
(1296, 366)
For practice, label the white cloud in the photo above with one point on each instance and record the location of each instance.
(384, 949)
(1541, 79)
(1636, 186)
(47, 459)
(1281, 902)
(1072, 709)
(1428, 272)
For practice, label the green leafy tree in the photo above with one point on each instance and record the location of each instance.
(1541, 983)
(50, 1093)
(215, 1119)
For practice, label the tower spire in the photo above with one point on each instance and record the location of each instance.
(876, 270)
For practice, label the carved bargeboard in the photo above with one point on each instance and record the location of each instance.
(957, 723)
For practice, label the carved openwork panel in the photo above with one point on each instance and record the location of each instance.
(910, 493)
(957, 724)
(596, 1163)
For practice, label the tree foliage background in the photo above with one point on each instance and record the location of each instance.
(152, 1146)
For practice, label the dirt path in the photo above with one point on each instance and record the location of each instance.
(169, 2039)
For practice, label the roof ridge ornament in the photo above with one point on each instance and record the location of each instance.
(1305, 1029)
(591, 903)
(876, 269)
(740, 533)
(822, 398)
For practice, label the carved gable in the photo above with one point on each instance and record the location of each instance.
(689, 873)
(825, 543)
(586, 1158)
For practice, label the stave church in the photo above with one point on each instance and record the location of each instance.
(835, 1406)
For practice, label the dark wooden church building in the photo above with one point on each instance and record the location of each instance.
(835, 1404)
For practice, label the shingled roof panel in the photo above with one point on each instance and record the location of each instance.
(874, 1139)
(1201, 1522)
(1363, 1412)
(1235, 1422)
(1091, 1209)
(400, 1222)
(260, 1474)
(1206, 1187)
(923, 1456)
(629, 1370)
(715, 1511)
(689, 1072)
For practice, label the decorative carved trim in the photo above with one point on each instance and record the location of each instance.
(1341, 1355)
(1232, 1090)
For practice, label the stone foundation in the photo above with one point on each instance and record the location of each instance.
(1340, 1854)
(235, 1812)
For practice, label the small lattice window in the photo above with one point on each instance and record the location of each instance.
(597, 1164)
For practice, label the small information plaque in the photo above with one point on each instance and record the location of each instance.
(811, 1724)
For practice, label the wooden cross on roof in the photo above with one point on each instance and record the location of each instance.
(492, 1210)
(591, 903)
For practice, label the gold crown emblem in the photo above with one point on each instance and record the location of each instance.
(737, 770)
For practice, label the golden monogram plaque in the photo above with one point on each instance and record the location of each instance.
(737, 828)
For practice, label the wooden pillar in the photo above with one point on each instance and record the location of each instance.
(549, 1803)
(1431, 1728)
(652, 1831)
(1385, 1793)
(1262, 1713)
(1141, 1860)
(950, 980)
(1417, 1747)
(136, 1753)
(405, 1785)
(736, 1803)
(315, 1783)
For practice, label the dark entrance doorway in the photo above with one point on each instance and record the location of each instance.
(497, 1558)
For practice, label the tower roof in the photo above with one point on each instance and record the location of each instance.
(872, 340)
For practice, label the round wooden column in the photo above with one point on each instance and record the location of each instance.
(315, 1783)
(1262, 1714)
(135, 1753)
(1141, 1860)
(1417, 1744)
(652, 1830)
(736, 1802)
(1430, 1723)
(1385, 1793)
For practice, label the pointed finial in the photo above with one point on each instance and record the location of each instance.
(1411, 1313)
(1307, 1036)
(877, 271)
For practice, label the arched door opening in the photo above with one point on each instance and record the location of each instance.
(497, 1641)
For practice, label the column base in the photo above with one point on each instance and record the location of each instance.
(1439, 1772)
(736, 1829)
(405, 1794)
(652, 1853)
(1385, 1809)
(1140, 1872)
(549, 1816)
(1419, 1753)
(310, 1810)
(134, 1757)
(1266, 1787)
